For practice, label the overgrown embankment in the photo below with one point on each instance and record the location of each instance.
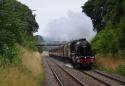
(108, 17)
(27, 73)
(31, 60)
(20, 63)
(110, 64)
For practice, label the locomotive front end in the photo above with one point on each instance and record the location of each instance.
(84, 55)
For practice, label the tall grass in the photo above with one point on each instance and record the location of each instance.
(14, 76)
(110, 64)
(28, 73)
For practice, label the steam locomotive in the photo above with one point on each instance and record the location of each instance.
(78, 51)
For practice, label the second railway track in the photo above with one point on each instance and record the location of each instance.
(68, 76)
(111, 76)
(104, 78)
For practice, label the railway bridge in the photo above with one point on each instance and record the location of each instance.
(48, 45)
(45, 46)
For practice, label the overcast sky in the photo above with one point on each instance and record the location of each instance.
(61, 19)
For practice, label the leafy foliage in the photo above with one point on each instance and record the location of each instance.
(102, 11)
(121, 70)
(39, 39)
(17, 25)
(109, 21)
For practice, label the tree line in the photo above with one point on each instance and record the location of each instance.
(17, 25)
(108, 17)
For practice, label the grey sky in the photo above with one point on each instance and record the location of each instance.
(62, 18)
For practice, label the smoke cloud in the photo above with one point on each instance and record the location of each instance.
(73, 26)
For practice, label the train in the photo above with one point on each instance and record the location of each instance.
(78, 51)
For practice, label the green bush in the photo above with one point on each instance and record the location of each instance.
(9, 56)
(107, 41)
(108, 17)
(17, 24)
(121, 70)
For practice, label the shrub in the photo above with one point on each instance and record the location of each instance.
(107, 41)
(121, 70)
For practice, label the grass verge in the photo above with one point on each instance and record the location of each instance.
(110, 64)
(28, 73)
(16, 76)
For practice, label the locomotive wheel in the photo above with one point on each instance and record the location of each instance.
(89, 67)
(77, 66)
(86, 66)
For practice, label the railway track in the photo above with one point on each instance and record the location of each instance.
(67, 79)
(110, 76)
(56, 76)
(85, 78)
(104, 78)
(96, 78)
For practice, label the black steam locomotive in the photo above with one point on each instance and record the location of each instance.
(79, 51)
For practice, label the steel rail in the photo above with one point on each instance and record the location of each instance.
(55, 75)
(81, 83)
(96, 78)
(116, 79)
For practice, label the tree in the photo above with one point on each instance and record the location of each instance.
(100, 11)
(108, 17)
(17, 25)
